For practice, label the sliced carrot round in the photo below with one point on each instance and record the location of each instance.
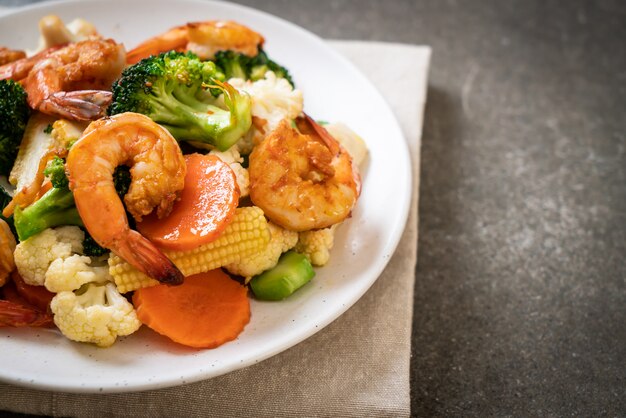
(206, 311)
(206, 206)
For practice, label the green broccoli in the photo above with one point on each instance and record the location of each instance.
(5, 198)
(54, 208)
(57, 206)
(121, 179)
(175, 90)
(56, 172)
(14, 113)
(91, 248)
(235, 64)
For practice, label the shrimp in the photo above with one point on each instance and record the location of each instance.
(303, 179)
(157, 173)
(17, 311)
(13, 314)
(7, 246)
(202, 38)
(10, 55)
(19, 69)
(61, 82)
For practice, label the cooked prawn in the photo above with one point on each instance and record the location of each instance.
(19, 69)
(7, 246)
(202, 38)
(13, 314)
(303, 179)
(16, 311)
(157, 170)
(73, 81)
(10, 55)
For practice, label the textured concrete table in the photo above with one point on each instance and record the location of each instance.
(520, 303)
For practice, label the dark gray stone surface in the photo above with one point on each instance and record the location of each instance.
(520, 296)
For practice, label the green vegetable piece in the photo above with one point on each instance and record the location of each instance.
(5, 198)
(178, 91)
(235, 64)
(14, 113)
(91, 248)
(56, 172)
(55, 208)
(291, 273)
(122, 179)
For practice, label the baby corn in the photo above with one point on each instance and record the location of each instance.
(245, 236)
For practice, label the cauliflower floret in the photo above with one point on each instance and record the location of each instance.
(316, 245)
(34, 255)
(234, 160)
(281, 240)
(72, 272)
(98, 315)
(273, 99)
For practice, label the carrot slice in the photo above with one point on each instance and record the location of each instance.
(206, 206)
(206, 311)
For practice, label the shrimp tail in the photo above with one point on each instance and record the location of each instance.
(15, 315)
(78, 105)
(145, 257)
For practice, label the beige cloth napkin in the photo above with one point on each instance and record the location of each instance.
(357, 366)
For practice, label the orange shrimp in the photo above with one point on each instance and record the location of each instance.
(7, 246)
(303, 179)
(73, 81)
(202, 38)
(10, 55)
(157, 177)
(19, 69)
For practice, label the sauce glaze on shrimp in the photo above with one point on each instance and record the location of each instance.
(303, 179)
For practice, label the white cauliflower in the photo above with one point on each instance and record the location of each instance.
(281, 240)
(273, 99)
(234, 160)
(34, 255)
(316, 245)
(98, 315)
(72, 272)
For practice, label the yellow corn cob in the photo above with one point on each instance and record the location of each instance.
(245, 236)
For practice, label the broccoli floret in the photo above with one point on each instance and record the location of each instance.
(235, 64)
(174, 89)
(14, 113)
(5, 198)
(121, 179)
(56, 172)
(54, 208)
(91, 248)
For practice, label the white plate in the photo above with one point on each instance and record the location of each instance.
(333, 90)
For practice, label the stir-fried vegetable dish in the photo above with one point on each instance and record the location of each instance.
(164, 186)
